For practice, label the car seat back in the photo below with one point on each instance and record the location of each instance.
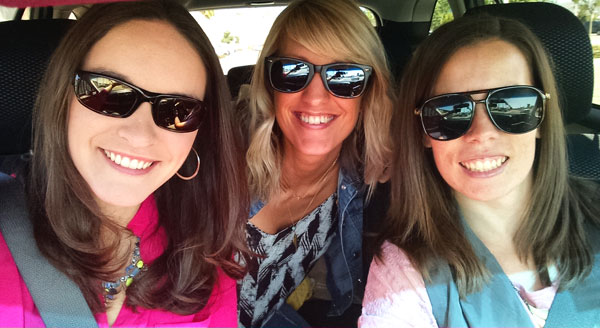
(26, 49)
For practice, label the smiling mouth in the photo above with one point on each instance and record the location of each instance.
(127, 162)
(315, 119)
(484, 164)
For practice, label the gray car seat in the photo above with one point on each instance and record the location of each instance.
(26, 49)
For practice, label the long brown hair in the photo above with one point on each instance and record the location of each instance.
(203, 218)
(424, 218)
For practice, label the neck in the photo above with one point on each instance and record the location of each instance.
(496, 221)
(119, 215)
(301, 171)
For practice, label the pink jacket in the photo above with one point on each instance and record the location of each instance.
(18, 310)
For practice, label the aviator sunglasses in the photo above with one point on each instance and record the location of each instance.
(344, 80)
(112, 97)
(513, 109)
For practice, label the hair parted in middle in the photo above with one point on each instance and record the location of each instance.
(335, 27)
(424, 217)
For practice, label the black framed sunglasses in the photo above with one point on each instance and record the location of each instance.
(344, 80)
(512, 109)
(113, 97)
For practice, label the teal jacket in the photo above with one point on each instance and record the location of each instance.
(498, 305)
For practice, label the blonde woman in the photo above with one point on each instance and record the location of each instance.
(319, 142)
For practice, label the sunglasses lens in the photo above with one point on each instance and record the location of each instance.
(516, 110)
(345, 80)
(178, 114)
(105, 95)
(447, 117)
(289, 75)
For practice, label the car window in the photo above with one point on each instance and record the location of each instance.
(238, 34)
(441, 14)
(7, 13)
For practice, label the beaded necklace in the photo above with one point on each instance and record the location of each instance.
(112, 288)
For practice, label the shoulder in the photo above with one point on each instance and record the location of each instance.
(255, 207)
(396, 269)
(222, 305)
(395, 295)
(16, 304)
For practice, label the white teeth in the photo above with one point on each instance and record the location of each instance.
(124, 161)
(133, 164)
(316, 119)
(484, 165)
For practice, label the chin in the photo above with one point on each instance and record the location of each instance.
(482, 194)
(122, 198)
(316, 149)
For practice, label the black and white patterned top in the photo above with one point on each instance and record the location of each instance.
(272, 278)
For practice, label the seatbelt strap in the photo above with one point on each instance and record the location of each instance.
(57, 298)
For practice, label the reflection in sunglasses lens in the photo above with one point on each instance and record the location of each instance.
(289, 76)
(106, 96)
(112, 97)
(447, 117)
(177, 114)
(512, 110)
(345, 80)
(516, 110)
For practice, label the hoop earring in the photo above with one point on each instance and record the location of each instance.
(195, 172)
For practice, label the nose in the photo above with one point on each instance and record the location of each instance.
(482, 128)
(315, 92)
(139, 129)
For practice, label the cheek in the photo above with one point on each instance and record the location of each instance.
(351, 108)
(443, 156)
(79, 132)
(527, 146)
(283, 102)
(180, 146)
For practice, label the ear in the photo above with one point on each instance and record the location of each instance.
(426, 141)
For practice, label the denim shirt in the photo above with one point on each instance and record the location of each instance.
(344, 273)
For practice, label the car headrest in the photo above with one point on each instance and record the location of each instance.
(26, 49)
(393, 36)
(568, 44)
(238, 76)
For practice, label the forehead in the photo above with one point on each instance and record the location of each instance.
(151, 54)
(292, 48)
(484, 65)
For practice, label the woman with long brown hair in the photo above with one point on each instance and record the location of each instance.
(136, 191)
(486, 228)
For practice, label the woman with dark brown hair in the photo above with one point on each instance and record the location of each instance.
(486, 228)
(136, 190)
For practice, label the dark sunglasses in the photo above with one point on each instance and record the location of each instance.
(110, 96)
(514, 109)
(344, 80)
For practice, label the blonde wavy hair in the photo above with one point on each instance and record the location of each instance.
(320, 26)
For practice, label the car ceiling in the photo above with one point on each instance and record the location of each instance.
(392, 10)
